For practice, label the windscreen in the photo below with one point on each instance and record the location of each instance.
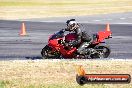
(59, 34)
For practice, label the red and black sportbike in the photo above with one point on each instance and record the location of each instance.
(97, 49)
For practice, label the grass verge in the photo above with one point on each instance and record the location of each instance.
(14, 9)
(58, 74)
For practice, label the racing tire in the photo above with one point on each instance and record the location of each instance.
(48, 54)
(103, 52)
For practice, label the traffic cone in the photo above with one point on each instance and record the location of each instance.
(23, 30)
(107, 27)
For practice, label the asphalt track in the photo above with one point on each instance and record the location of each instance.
(114, 18)
(16, 47)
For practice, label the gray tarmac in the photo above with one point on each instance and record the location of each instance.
(16, 47)
(114, 18)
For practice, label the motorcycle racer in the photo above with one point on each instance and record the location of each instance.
(82, 36)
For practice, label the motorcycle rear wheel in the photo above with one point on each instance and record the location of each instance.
(102, 52)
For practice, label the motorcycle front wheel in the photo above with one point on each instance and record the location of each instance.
(47, 53)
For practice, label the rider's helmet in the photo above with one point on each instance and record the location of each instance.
(72, 25)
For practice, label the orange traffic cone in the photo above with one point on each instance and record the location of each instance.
(23, 30)
(107, 27)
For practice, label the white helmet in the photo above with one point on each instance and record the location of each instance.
(72, 24)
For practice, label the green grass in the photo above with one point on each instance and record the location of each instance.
(94, 4)
(3, 84)
(23, 9)
(2, 4)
